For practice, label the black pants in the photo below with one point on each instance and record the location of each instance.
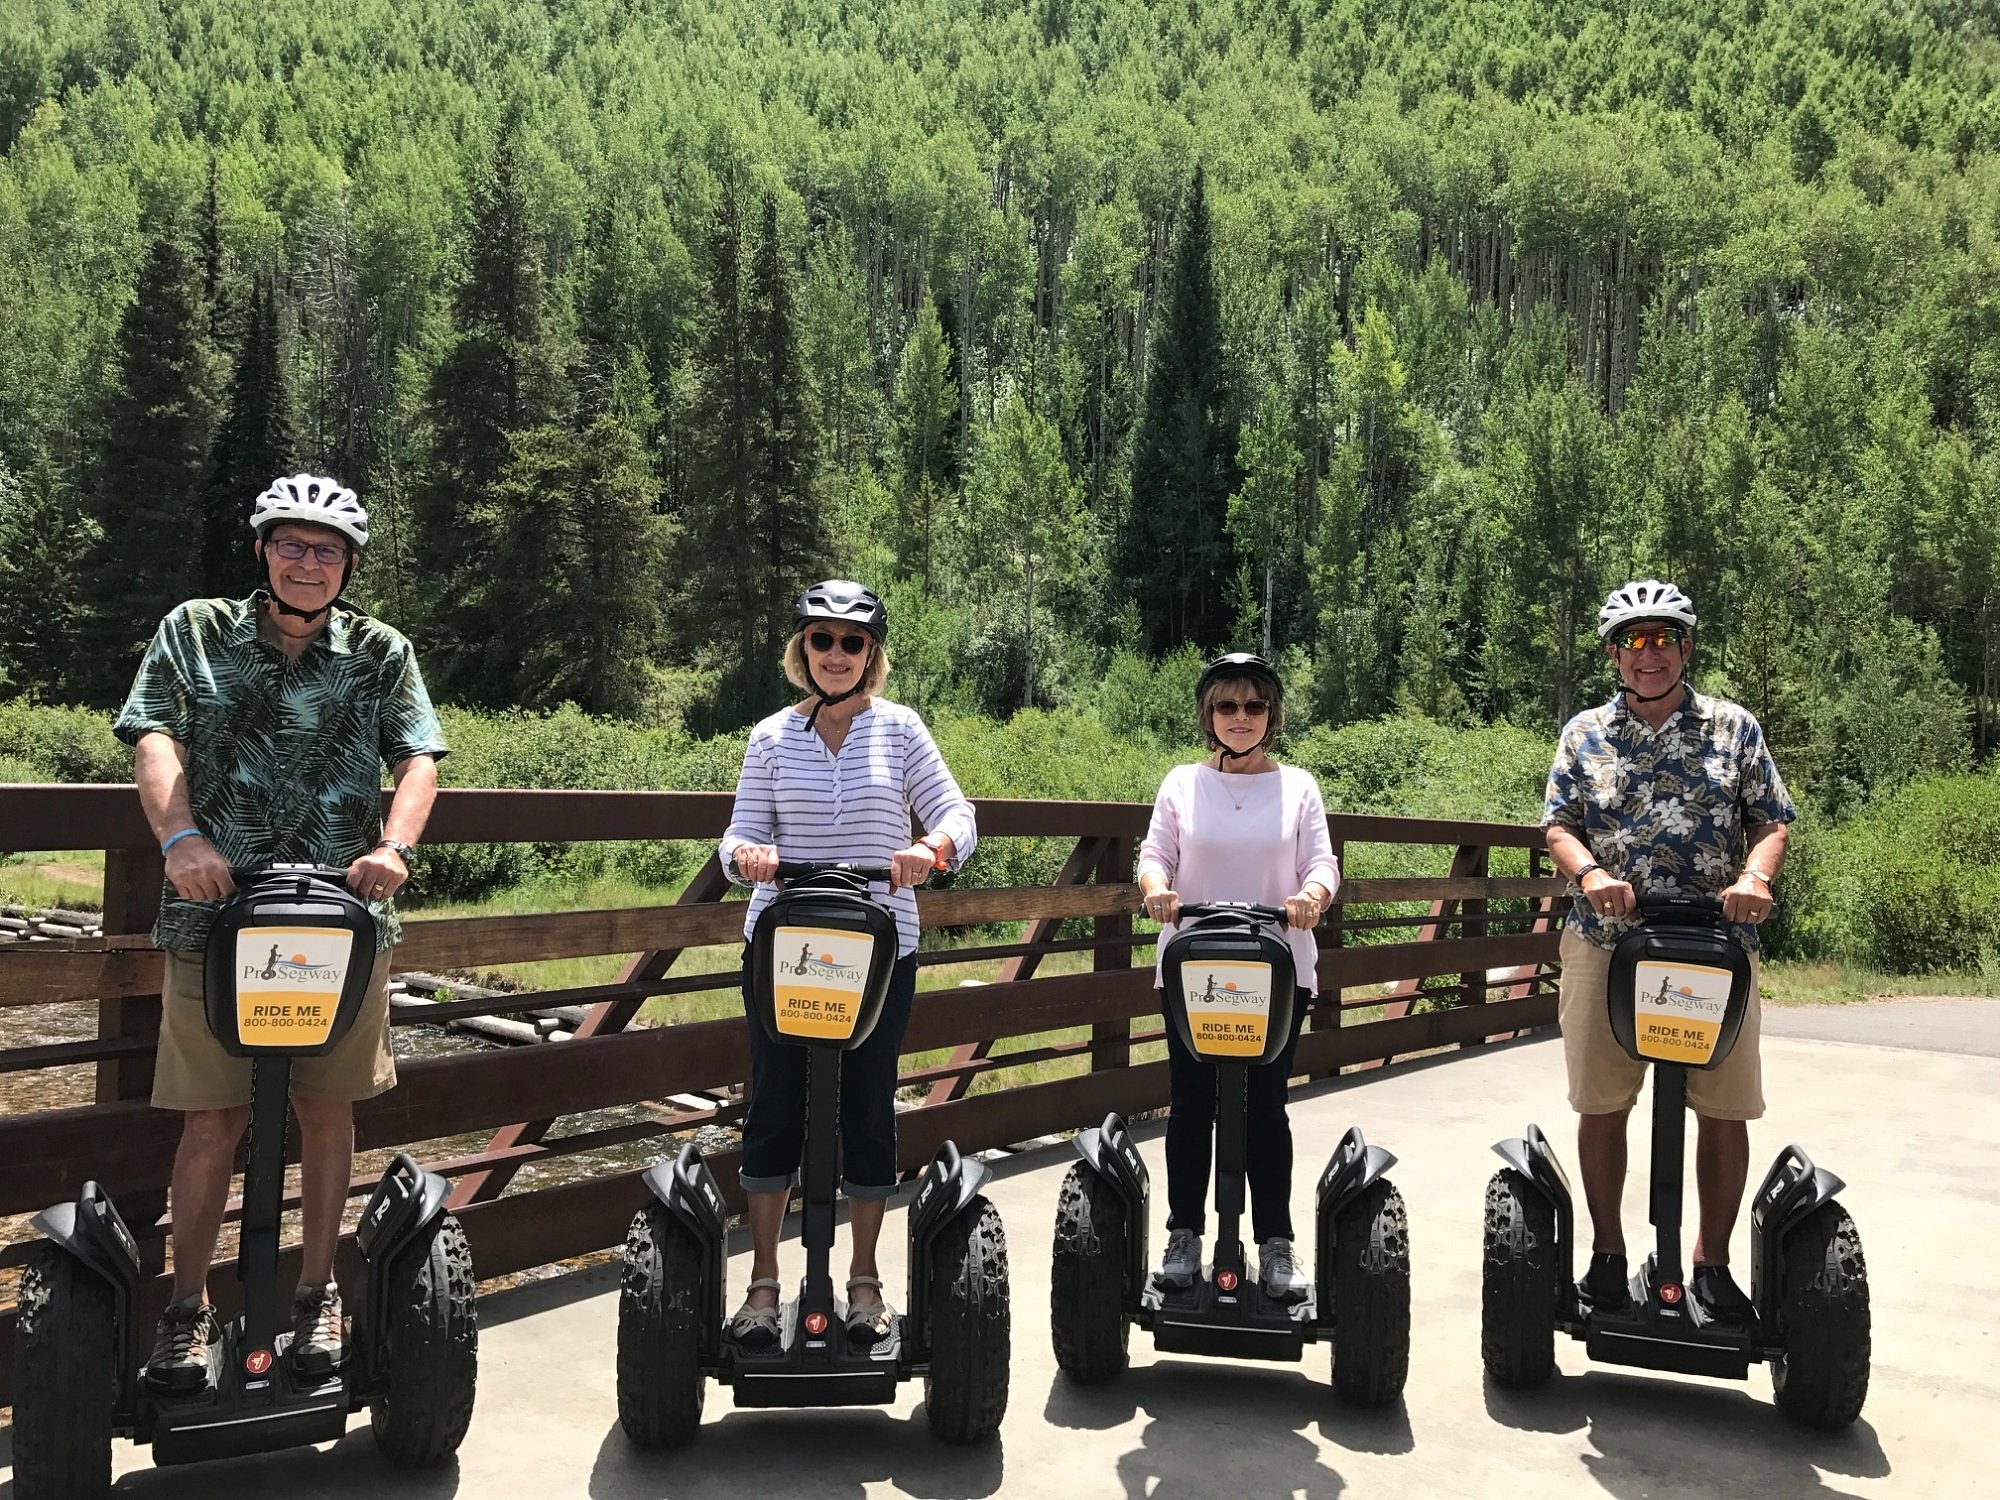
(1268, 1135)
(774, 1127)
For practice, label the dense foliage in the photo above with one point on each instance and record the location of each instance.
(1386, 334)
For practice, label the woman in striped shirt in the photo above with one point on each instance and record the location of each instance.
(836, 776)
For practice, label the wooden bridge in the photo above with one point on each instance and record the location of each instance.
(1407, 965)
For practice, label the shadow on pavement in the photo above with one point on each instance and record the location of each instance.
(1657, 1438)
(798, 1454)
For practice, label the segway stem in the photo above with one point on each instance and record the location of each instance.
(1669, 1157)
(263, 1195)
(1232, 1104)
(820, 1177)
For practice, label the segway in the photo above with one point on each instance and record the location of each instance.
(1228, 983)
(1678, 990)
(287, 968)
(820, 962)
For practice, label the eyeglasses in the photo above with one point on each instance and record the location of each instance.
(823, 640)
(1661, 636)
(1256, 708)
(326, 554)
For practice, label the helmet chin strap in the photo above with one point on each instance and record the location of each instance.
(1639, 697)
(825, 697)
(1229, 754)
(308, 615)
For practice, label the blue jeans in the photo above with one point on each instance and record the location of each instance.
(774, 1128)
(1267, 1130)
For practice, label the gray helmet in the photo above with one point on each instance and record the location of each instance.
(844, 603)
(1647, 599)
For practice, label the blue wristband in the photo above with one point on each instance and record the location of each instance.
(185, 833)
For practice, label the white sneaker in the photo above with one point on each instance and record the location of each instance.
(1182, 1263)
(1278, 1270)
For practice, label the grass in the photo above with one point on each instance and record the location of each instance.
(53, 877)
(1802, 982)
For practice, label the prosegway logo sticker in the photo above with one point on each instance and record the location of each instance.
(1228, 1007)
(288, 983)
(818, 974)
(1677, 1010)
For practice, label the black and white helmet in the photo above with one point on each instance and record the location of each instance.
(1648, 599)
(840, 601)
(315, 501)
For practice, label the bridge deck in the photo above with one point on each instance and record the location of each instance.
(1901, 1099)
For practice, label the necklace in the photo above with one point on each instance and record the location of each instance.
(1249, 786)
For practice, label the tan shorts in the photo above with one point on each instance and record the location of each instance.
(1604, 1079)
(193, 1072)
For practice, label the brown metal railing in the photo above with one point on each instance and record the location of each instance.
(1469, 964)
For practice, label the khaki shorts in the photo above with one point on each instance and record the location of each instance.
(193, 1072)
(1604, 1079)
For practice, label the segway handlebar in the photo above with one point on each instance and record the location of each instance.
(1678, 904)
(245, 874)
(805, 869)
(1198, 911)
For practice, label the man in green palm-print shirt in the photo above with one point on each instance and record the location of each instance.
(1665, 790)
(260, 728)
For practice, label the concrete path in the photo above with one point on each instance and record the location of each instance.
(1905, 1106)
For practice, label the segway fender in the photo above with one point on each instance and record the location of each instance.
(1792, 1190)
(948, 1186)
(407, 1201)
(688, 1191)
(1352, 1168)
(1533, 1157)
(1109, 1151)
(92, 1230)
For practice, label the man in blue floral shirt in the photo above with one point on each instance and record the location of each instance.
(1660, 790)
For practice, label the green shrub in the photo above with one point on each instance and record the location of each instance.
(1912, 883)
(62, 744)
(1410, 766)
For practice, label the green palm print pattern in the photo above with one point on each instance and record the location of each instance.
(284, 758)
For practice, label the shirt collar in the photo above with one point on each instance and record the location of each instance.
(1698, 707)
(337, 637)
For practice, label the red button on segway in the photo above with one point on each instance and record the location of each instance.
(815, 1323)
(1670, 1292)
(257, 1361)
(1226, 1280)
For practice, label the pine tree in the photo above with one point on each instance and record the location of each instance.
(151, 468)
(503, 376)
(926, 417)
(792, 529)
(45, 543)
(1176, 553)
(252, 446)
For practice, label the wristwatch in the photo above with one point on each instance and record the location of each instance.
(403, 850)
(936, 845)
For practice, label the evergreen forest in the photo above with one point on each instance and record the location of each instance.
(1383, 336)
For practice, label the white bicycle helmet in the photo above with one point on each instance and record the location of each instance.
(316, 501)
(1648, 599)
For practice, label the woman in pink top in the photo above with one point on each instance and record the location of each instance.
(1237, 826)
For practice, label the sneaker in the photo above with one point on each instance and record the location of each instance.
(1720, 1297)
(319, 1334)
(188, 1333)
(1605, 1286)
(1278, 1270)
(1182, 1263)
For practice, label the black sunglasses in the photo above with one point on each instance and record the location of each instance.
(823, 640)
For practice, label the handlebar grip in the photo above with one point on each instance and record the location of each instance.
(1196, 911)
(801, 869)
(1658, 903)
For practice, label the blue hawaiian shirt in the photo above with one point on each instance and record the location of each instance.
(1668, 809)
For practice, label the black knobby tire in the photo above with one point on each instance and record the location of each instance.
(965, 1393)
(1822, 1377)
(65, 1379)
(661, 1303)
(1519, 1283)
(431, 1349)
(1371, 1297)
(1087, 1285)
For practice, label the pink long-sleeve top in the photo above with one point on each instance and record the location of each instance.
(1217, 837)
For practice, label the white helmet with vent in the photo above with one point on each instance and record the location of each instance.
(1648, 599)
(315, 501)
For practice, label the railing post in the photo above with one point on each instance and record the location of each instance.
(1324, 1014)
(132, 879)
(1472, 984)
(1111, 1041)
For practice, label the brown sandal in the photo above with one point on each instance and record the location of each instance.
(757, 1327)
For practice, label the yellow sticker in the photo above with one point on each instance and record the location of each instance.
(1677, 1010)
(1228, 1007)
(288, 984)
(818, 977)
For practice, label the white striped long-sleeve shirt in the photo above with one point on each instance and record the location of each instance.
(813, 804)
